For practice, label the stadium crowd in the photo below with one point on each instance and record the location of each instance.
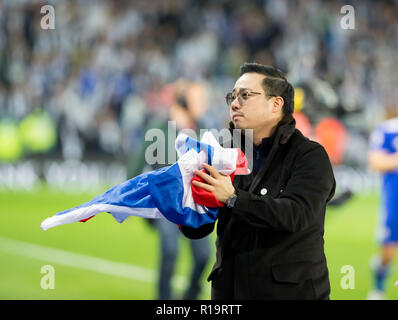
(109, 66)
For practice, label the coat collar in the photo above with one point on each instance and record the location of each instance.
(284, 129)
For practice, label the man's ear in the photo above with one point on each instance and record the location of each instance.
(278, 104)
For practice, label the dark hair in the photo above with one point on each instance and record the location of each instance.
(274, 84)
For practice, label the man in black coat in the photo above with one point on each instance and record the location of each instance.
(270, 233)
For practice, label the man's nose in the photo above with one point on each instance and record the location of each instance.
(235, 104)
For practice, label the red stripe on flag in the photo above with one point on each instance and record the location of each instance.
(84, 220)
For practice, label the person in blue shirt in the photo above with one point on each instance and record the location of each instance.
(383, 157)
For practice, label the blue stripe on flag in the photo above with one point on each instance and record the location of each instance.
(131, 193)
(198, 146)
(167, 194)
(162, 189)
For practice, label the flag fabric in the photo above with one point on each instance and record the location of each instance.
(167, 192)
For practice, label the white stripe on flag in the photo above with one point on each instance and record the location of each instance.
(86, 212)
(77, 260)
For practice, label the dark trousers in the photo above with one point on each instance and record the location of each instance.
(169, 236)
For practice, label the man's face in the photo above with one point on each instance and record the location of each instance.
(257, 112)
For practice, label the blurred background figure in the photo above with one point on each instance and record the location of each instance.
(383, 157)
(105, 69)
(188, 104)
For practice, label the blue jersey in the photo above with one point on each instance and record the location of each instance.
(385, 138)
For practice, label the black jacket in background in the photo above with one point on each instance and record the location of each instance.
(271, 246)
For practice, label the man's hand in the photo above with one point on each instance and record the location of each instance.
(218, 184)
(383, 161)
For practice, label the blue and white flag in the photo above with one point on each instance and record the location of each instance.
(163, 193)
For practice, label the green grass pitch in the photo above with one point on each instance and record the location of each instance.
(349, 241)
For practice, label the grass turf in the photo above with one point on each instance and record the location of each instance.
(349, 240)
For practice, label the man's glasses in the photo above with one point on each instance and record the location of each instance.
(243, 95)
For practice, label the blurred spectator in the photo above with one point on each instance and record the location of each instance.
(383, 157)
(88, 71)
(182, 114)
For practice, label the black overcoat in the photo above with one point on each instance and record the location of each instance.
(270, 245)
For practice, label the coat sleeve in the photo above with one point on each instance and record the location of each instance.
(309, 188)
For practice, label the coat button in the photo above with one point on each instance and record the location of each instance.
(263, 191)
